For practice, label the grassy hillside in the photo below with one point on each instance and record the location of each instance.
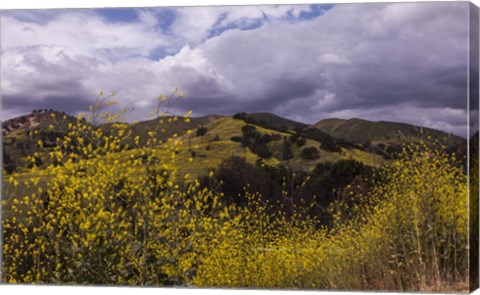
(360, 131)
(199, 154)
(131, 204)
(171, 125)
(270, 121)
(216, 145)
(20, 135)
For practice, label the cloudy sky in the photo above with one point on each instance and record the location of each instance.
(402, 62)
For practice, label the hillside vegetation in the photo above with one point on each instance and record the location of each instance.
(219, 201)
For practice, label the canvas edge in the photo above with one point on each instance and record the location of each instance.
(1, 162)
(473, 145)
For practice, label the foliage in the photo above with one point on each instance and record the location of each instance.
(412, 237)
(201, 131)
(106, 217)
(473, 207)
(110, 208)
(301, 141)
(310, 153)
(236, 139)
(8, 164)
(287, 152)
(258, 142)
(327, 142)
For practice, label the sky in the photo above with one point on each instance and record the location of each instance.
(404, 62)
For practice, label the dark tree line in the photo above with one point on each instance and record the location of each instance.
(310, 153)
(286, 191)
(327, 142)
(257, 142)
(8, 164)
(265, 124)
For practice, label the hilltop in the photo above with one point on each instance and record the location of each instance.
(270, 121)
(37, 119)
(361, 131)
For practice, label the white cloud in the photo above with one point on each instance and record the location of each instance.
(326, 100)
(84, 33)
(331, 58)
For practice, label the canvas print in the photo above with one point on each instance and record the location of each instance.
(310, 147)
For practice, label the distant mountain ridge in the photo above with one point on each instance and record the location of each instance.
(334, 138)
(38, 118)
(359, 130)
(354, 129)
(270, 121)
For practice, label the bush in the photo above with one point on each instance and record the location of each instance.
(236, 139)
(263, 151)
(287, 153)
(201, 131)
(328, 143)
(8, 163)
(240, 116)
(301, 141)
(310, 153)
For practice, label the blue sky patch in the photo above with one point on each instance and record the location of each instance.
(35, 15)
(118, 14)
(165, 17)
(316, 10)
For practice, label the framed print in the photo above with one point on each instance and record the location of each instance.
(302, 147)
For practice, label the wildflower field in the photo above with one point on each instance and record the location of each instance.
(106, 207)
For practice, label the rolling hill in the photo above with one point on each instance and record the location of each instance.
(360, 131)
(270, 121)
(224, 138)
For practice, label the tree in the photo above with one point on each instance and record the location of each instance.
(263, 151)
(287, 153)
(8, 163)
(236, 139)
(301, 141)
(310, 153)
(240, 116)
(201, 131)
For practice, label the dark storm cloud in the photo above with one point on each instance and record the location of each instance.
(69, 104)
(199, 85)
(204, 97)
(286, 88)
(209, 105)
(446, 88)
(48, 90)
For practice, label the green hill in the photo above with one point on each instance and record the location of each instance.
(361, 131)
(171, 125)
(219, 144)
(356, 139)
(270, 121)
(19, 142)
(224, 137)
